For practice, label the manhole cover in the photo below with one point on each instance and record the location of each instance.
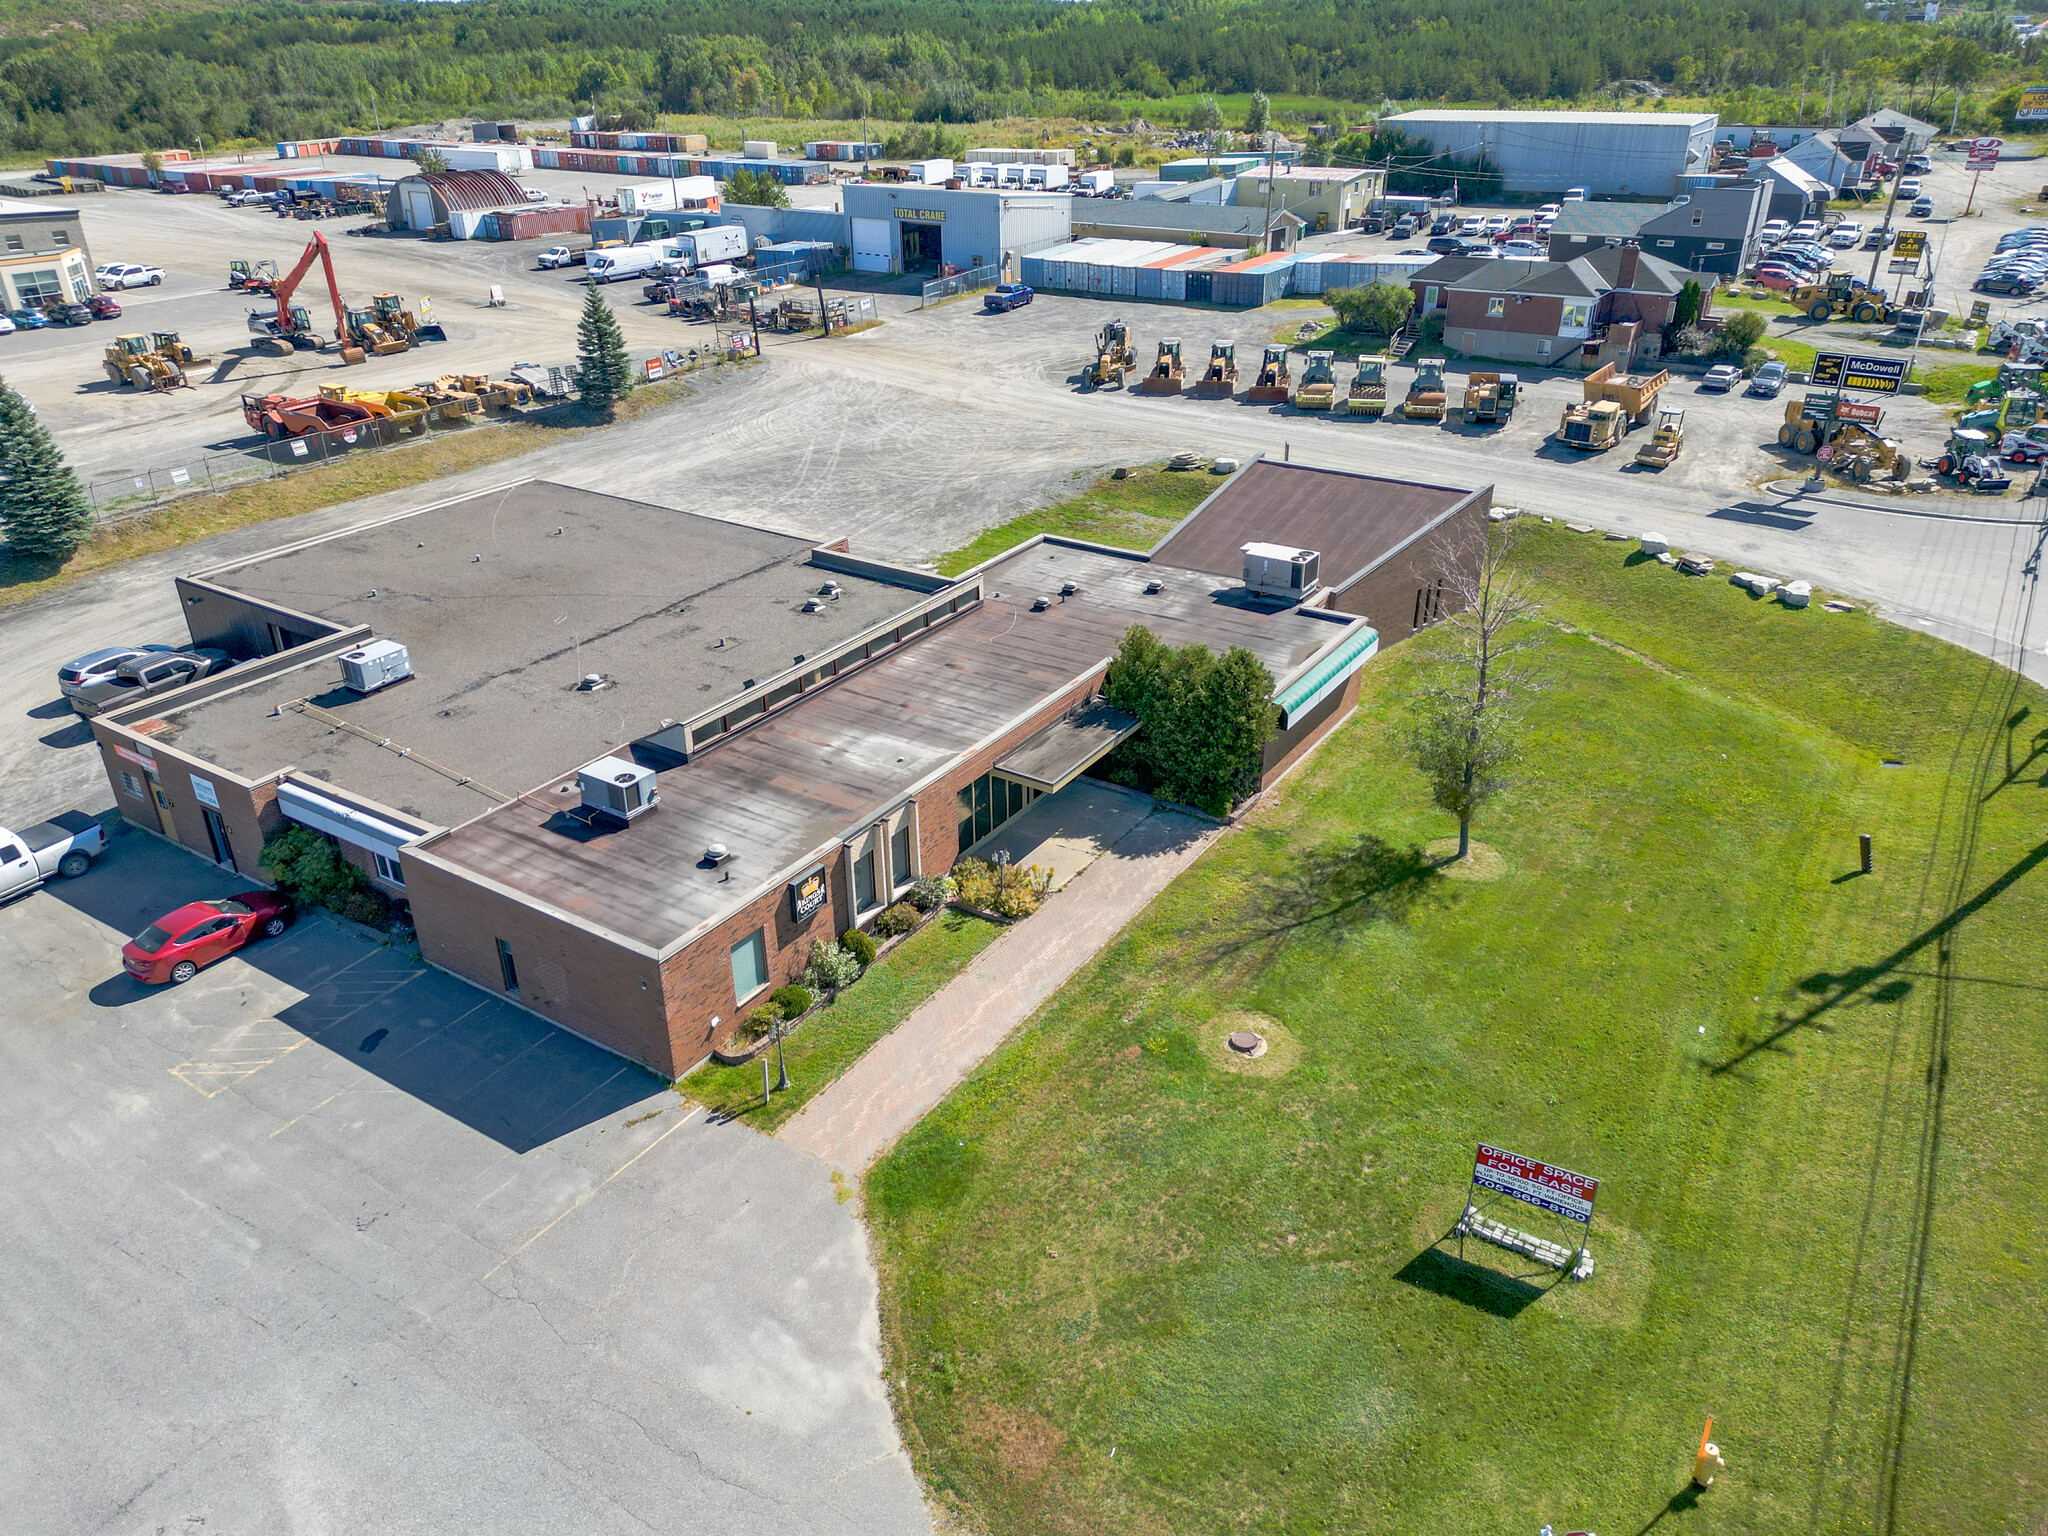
(1246, 1041)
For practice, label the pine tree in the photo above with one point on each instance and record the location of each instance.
(606, 372)
(42, 506)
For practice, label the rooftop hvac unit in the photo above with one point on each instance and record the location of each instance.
(1281, 571)
(375, 665)
(617, 789)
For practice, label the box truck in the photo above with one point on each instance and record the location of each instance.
(1093, 183)
(715, 242)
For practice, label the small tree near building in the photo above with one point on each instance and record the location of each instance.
(1208, 117)
(605, 372)
(755, 189)
(1467, 726)
(1205, 718)
(1741, 331)
(1685, 309)
(1258, 116)
(430, 160)
(43, 508)
(1378, 308)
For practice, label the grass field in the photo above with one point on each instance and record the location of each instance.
(1949, 383)
(1129, 514)
(833, 1039)
(1127, 1287)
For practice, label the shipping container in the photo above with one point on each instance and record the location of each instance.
(757, 149)
(540, 223)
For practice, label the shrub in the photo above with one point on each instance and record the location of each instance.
(831, 968)
(1740, 332)
(900, 918)
(858, 945)
(932, 892)
(1207, 718)
(307, 867)
(1380, 308)
(760, 1021)
(1432, 329)
(791, 1002)
(975, 882)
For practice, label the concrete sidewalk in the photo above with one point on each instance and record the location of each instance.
(919, 1062)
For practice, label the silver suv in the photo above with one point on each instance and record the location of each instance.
(138, 678)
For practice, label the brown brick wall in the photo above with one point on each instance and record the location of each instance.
(1386, 596)
(1287, 747)
(250, 812)
(579, 979)
(938, 815)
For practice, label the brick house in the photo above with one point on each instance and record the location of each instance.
(820, 729)
(1553, 314)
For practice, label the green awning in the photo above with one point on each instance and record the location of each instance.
(1328, 675)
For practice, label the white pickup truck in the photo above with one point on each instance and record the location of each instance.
(64, 846)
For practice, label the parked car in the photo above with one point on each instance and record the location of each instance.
(1916, 165)
(64, 846)
(1780, 278)
(1909, 186)
(557, 256)
(1923, 208)
(1806, 229)
(1523, 250)
(1473, 226)
(1722, 376)
(1774, 230)
(6, 326)
(175, 946)
(1447, 245)
(1403, 227)
(1549, 210)
(30, 320)
(1768, 381)
(68, 314)
(128, 274)
(174, 188)
(143, 676)
(1879, 238)
(103, 307)
(535, 195)
(1005, 297)
(1445, 224)
(1843, 236)
(98, 666)
(2017, 284)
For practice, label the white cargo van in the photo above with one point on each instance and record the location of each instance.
(629, 261)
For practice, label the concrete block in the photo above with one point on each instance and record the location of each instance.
(1796, 594)
(1655, 544)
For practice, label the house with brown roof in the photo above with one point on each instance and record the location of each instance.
(1554, 314)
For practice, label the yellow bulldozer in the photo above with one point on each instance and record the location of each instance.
(366, 335)
(414, 326)
(1220, 382)
(1114, 355)
(136, 360)
(1167, 374)
(1275, 382)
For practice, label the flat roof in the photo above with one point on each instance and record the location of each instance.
(1629, 119)
(506, 601)
(1353, 521)
(799, 780)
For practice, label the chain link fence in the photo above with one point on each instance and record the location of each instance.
(959, 283)
(131, 493)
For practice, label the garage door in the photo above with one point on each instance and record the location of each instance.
(874, 245)
(419, 208)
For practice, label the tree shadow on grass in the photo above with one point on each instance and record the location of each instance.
(1336, 887)
(1489, 1290)
(1681, 1502)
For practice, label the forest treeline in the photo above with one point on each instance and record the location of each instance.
(286, 71)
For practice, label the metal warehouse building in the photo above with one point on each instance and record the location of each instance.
(636, 809)
(1612, 154)
(907, 228)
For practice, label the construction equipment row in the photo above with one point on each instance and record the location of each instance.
(156, 360)
(335, 408)
(382, 328)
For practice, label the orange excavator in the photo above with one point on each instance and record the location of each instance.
(290, 328)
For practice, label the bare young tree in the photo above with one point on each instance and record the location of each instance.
(1468, 721)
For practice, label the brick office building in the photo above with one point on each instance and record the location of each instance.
(819, 729)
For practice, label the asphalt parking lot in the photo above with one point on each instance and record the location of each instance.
(326, 1240)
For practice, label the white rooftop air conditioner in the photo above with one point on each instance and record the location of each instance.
(1281, 571)
(376, 665)
(615, 788)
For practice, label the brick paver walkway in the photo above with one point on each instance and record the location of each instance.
(918, 1063)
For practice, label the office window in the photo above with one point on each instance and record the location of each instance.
(987, 803)
(507, 971)
(1496, 306)
(900, 871)
(33, 287)
(864, 881)
(1665, 245)
(133, 785)
(749, 966)
(388, 869)
(62, 237)
(14, 242)
(1717, 245)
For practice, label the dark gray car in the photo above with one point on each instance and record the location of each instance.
(145, 675)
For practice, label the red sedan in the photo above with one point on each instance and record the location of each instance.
(175, 946)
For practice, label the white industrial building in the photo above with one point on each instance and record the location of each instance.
(1611, 154)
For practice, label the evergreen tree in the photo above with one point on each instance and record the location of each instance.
(606, 373)
(42, 506)
(1259, 116)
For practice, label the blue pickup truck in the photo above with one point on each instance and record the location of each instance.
(1005, 297)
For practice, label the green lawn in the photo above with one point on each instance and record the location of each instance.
(1130, 514)
(1128, 1289)
(834, 1038)
(1949, 383)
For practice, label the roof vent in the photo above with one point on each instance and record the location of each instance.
(591, 682)
(813, 605)
(830, 589)
(617, 790)
(1068, 589)
(1153, 587)
(376, 665)
(1281, 571)
(716, 855)
(1040, 604)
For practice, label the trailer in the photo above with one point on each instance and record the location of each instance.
(1635, 393)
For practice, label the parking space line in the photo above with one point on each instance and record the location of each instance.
(688, 1115)
(295, 1119)
(239, 1057)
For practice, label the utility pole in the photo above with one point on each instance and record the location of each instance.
(1878, 254)
(1270, 156)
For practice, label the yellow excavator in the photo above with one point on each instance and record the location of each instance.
(367, 335)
